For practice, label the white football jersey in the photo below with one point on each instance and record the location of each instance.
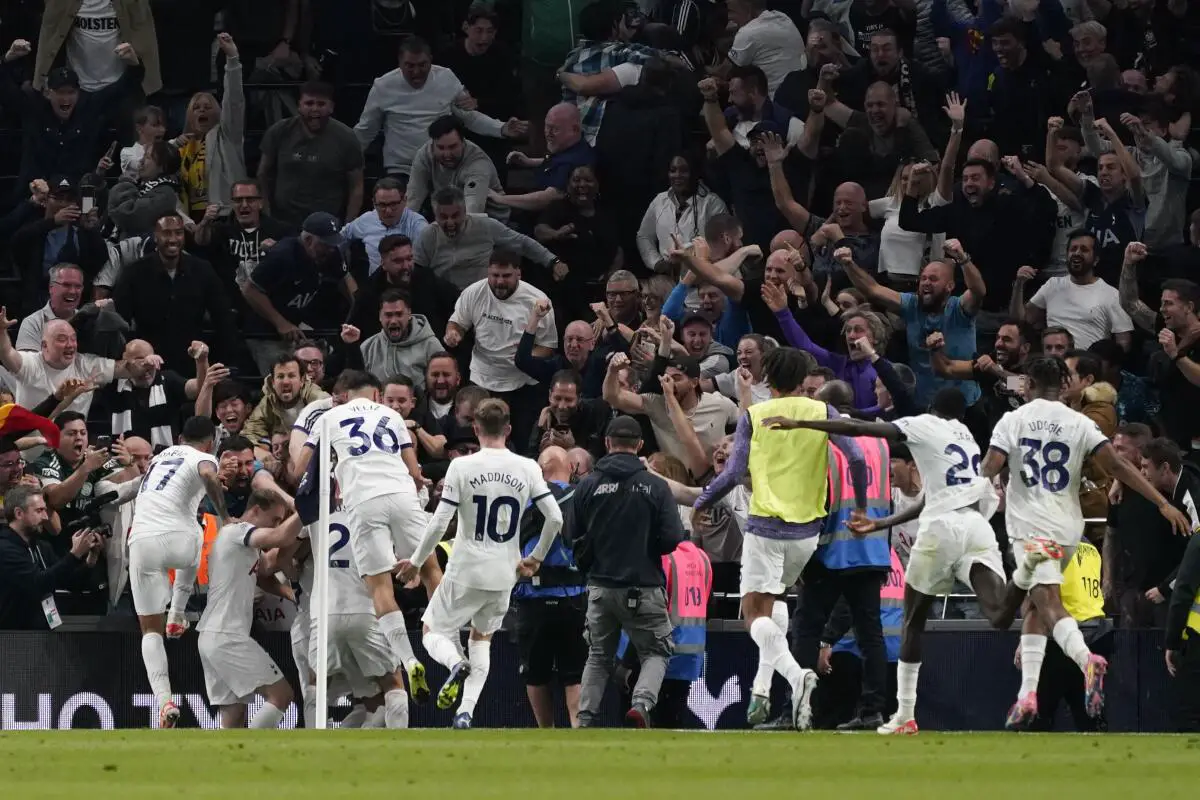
(347, 590)
(1046, 443)
(232, 567)
(948, 458)
(169, 498)
(311, 413)
(367, 438)
(491, 490)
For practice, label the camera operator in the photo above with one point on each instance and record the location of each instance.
(30, 573)
(69, 475)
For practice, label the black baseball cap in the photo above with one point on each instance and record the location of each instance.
(693, 318)
(61, 185)
(325, 227)
(766, 126)
(687, 365)
(624, 427)
(61, 78)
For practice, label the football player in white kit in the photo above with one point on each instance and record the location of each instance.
(378, 476)
(1044, 444)
(489, 490)
(359, 653)
(166, 535)
(954, 539)
(236, 666)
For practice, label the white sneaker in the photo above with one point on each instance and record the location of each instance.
(898, 726)
(802, 715)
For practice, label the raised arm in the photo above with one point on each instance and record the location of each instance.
(10, 357)
(956, 110)
(270, 538)
(1018, 309)
(1141, 314)
(776, 153)
(214, 490)
(620, 399)
(843, 426)
(718, 129)
(695, 458)
(881, 296)
(696, 257)
(1109, 460)
(972, 277)
(735, 466)
(944, 366)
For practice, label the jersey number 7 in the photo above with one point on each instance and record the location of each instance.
(173, 465)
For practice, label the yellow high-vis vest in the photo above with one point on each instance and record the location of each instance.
(1080, 590)
(788, 469)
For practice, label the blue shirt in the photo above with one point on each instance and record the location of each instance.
(958, 329)
(370, 231)
(557, 168)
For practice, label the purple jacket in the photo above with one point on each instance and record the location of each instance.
(859, 374)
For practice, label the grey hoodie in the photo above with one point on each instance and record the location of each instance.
(384, 358)
(474, 175)
(223, 144)
(135, 210)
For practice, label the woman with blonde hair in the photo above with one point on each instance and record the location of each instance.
(212, 157)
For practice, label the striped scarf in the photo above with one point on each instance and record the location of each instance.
(155, 417)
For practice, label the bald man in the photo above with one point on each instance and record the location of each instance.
(581, 462)
(566, 149)
(551, 609)
(148, 403)
(785, 239)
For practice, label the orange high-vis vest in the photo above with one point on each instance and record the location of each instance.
(209, 524)
(689, 584)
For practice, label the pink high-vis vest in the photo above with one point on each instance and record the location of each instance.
(841, 549)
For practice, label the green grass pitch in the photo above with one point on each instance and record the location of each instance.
(567, 765)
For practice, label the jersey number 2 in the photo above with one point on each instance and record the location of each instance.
(384, 438)
(343, 539)
(953, 475)
(488, 519)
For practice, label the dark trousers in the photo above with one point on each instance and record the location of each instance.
(672, 712)
(819, 594)
(1062, 681)
(1186, 688)
(836, 698)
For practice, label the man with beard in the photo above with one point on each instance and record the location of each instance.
(391, 217)
(570, 420)
(241, 473)
(450, 159)
(432, 295)
(1115, 204)
(750, 104)
(919, 91)
(297, 283)
(1080, 302)
(696, 333)
(985, 220)
(998, 375)
(311, 162)
(496, 309)
(29, 571)
(236, 243)
(286, 391)
(442, 381)
(404, 344)
(458, 245)
(931, 308)
(66, 289)
(173, 298)
(578, 353)
(824, 45)
(1176, 369)
(147, 403)
(746, 168)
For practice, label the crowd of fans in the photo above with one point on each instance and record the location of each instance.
(917, 193)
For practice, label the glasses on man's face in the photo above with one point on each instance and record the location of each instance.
(386, 206)
(617, 294)
(308, 363)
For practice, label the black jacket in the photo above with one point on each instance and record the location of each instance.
(587, 425)
(624, 520)
(26, 577)
(432, 296)
(1187, 582)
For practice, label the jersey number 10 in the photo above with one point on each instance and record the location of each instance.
(487, 520)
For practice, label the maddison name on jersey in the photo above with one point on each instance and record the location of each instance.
(502, 478)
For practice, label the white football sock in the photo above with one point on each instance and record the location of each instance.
(395, 709)
(356, 717)
(1070, 639)
(376, 718)
(762, 678)
(772, 645)
(185, 583)
(267, 717)
(906, 689)
(154, 656)
(393, 627)
(1033, 653)
(480, 657)
(443, 649)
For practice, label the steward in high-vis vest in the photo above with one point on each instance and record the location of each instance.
(551, 607)
(689, 585)
(1183, 639)
(840, 659)
(852, 566)
(788, 467)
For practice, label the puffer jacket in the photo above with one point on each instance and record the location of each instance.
(1100, 406)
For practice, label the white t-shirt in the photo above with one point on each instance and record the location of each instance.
(171, 492)
(1046, 443)
(367, 439)
(347, 591)
(772, 43)
(491, 489)
(726, 384)
(904, 252)
(37, 380)
(92, 45)
(232, 567)
(498, 326)
(1091, 312)
(948, 459)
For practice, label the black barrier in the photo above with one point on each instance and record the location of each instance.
(967, 682)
